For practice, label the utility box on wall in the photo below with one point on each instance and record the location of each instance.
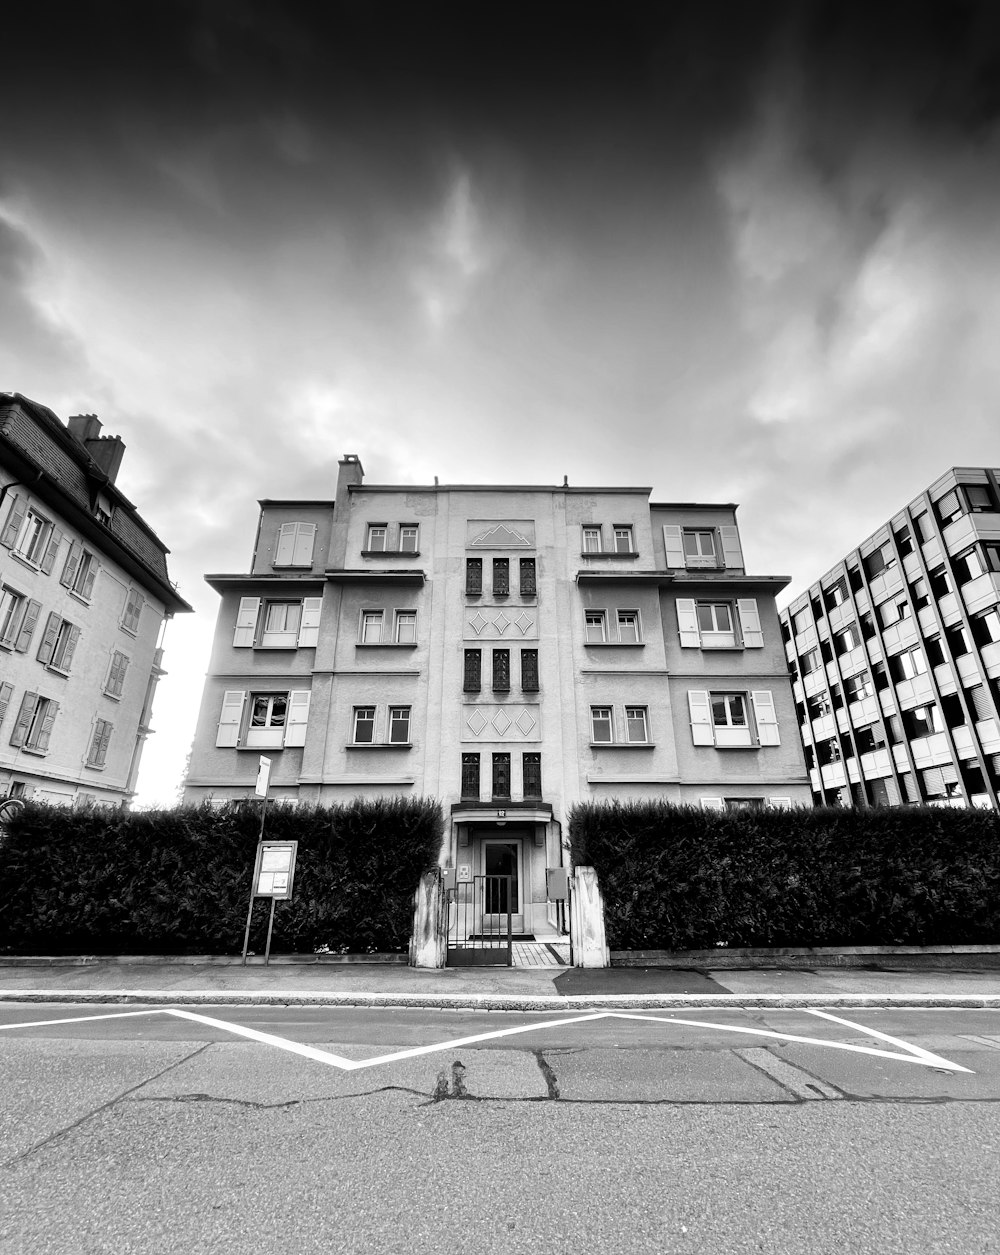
(556, 884)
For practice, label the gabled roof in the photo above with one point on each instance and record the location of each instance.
(41, 452)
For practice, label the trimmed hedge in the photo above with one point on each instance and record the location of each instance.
(178, 881)
(678, 878)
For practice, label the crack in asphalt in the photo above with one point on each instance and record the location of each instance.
(551, 1081)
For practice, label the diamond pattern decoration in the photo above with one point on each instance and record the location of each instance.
(475, 722)
(501, 722)
(478, 622)
(525, 722)
(524, 623)
(501, 623)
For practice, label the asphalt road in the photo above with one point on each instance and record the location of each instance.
(340, 1130)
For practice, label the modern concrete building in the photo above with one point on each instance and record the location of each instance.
(895, 655)
(511, 650)
(84, 595)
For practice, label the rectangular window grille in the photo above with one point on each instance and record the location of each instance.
(528, 586)
(501, 775)
(470, 776)
(473, 577)
(501, 671)
(473, 671)
(531, 769)
(529, 670)
(501, 577)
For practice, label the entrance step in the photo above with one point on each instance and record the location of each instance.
(540, 953)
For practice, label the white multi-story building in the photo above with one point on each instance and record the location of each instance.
(84, 595)
(895, 654)
(511, 650)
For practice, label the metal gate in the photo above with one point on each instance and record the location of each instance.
(479, 922)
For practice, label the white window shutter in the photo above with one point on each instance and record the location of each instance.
(780, 803)
(298, 717)
(687, 623)
(231, 718)
(309, 627)
(767, 720)
(285, 546)
(712, 804)
(246, 621)
(702, 732)
(753, 637)
(731, 551)
(673, 545)
(302, 552)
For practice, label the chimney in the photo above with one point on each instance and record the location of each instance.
(105, 451)
(351, 473)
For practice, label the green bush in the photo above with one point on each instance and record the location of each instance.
(677, 877)
(178, 881)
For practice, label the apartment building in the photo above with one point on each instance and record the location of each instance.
(511, 650)
(895, 656)
(84, 596)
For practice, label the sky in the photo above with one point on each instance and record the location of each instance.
(743, 251)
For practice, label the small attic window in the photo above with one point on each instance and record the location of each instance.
(102, 508)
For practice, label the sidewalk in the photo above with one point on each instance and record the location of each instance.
(151, 980)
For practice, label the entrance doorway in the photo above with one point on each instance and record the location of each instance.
(502, 865)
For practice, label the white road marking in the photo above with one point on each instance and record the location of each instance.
(914, 1054)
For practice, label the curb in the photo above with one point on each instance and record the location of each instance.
(496, 1002)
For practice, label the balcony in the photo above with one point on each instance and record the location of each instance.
(962, 736)
(990, 655)
(945, 678)
(875, 763)
(931, 751)
(969, 528)
(885, 584)
(989, 735)
(982, 592)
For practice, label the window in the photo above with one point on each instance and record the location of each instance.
(908, 664)
(623, 539)
(473, 671)
(33, 726)
(80, 571)
(295, 544)
(364, 725)
(33, 538)
(408, 535)
(58, 643)
(13, 607)
(940, 584)
(263, 720)
(730, 720)
(978, 497)
(991, 553)
(699, 548)
(923, 526)
(966, 499)
(968, 566)
(628, 627)
(958, 639)
(636, 729)
(115, 681)
(919, 593)
(98, 750)
(501, 577)
(277, 624)
(281, 623)
(501, 671)
(405, 631)
(869, 738)
(858, 687)
(371, 627)
(810, 661)
(501, 775)
(132, 612)
(470, 776)
(399, 725)
(801, 621)
(985, 628)
(527, 583)
(904, 541)
(923, 721)
(596, 627)
(592, 540)
(881, 560)
(377, 534)
(529, 670)
(600, 723)
(531, 774)
(818, 706)
(846, 639)
(473, 577)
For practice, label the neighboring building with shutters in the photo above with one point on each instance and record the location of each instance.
(84, 594)
(895, 654)
(511, 650)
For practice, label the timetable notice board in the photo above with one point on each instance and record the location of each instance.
(275, 869)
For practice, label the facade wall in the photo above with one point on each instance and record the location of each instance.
(532, 627)
(895, 654)
(80, 634)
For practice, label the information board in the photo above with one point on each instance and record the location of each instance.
(275, 870)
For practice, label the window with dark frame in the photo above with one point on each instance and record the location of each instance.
(501, 671)
(529, 670)
(472, 682)
(527, 578)
(473, 577)
(531, 774)
(501, 577)
(470, 776)
(501, 775)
